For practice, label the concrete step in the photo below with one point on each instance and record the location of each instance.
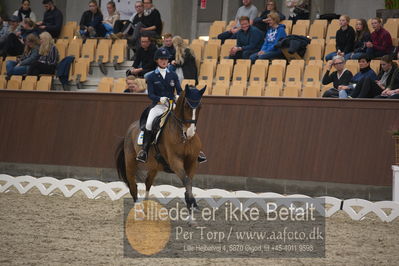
(93, 79)
(96, 72)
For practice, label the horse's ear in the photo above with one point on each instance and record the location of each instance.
(203, 90)
(187, 87)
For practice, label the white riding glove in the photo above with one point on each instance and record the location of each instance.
(163, 100)
(176, 98)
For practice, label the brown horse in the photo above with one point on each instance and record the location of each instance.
(178, 144)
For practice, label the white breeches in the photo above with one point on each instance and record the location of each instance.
(157, 110)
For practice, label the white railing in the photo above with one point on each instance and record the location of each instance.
(327, 206)
(395, 183)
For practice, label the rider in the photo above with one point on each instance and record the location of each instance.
(161, 85)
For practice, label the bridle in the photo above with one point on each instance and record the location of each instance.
(181, 122)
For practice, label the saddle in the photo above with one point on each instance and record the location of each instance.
(157, 125)
(157, 128)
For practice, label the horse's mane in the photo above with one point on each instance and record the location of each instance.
(180, 103)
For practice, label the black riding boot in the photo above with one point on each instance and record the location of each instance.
(202, 157)
(143, 154)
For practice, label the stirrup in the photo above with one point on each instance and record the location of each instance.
(142, 156)
(202, 158)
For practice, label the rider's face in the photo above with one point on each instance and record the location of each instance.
(162, 62)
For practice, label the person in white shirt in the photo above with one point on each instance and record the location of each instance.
(25, 12)
(111, 18)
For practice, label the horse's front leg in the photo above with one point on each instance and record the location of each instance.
(190, 200)
(190, 166)
(178, 167)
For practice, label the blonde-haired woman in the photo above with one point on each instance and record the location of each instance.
(184, 62)
(48, 56)
(30, 55)
(345, 38)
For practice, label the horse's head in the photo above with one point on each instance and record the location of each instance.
(188, 107)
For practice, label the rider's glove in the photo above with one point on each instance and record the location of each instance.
(163, 100)
(176, 98)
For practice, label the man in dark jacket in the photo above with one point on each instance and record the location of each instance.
(144, 58)
(52, 19)
(249, 40)
(168, 45)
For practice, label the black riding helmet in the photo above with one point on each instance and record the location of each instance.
(161, 53)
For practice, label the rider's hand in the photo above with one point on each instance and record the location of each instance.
(163, 100)
(176, 98)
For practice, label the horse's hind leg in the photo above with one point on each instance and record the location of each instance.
(131, 169)
(149, 181)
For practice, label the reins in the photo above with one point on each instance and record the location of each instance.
(181, 122)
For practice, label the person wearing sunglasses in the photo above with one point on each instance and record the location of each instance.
(341, 76)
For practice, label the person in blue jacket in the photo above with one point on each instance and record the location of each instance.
(275, 33)
(249, 40)
(161, 85)
(365, 72)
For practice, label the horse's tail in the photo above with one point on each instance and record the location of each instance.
(120, 162)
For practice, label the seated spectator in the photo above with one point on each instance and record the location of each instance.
(10, 43)
(168, 45)
(3, 25)
(28, 27)
(386, 81)
(299, 9)
(150, 25)
(124, 28)
(25, 12)
(30, 55)
(273, 35)
(48, 57)
(246, 10)
(345, 38)
(381, 41)
(52, 19)
(91, 22)
(340, 77)
(111, 18)
(365, 72)
(184, 63)
(249, 40)
(132, 86)
(362, 36)
(143, 58)
(261, 21)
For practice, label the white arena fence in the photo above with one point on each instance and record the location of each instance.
(327, 206)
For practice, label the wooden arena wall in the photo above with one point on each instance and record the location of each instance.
(345, 141)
